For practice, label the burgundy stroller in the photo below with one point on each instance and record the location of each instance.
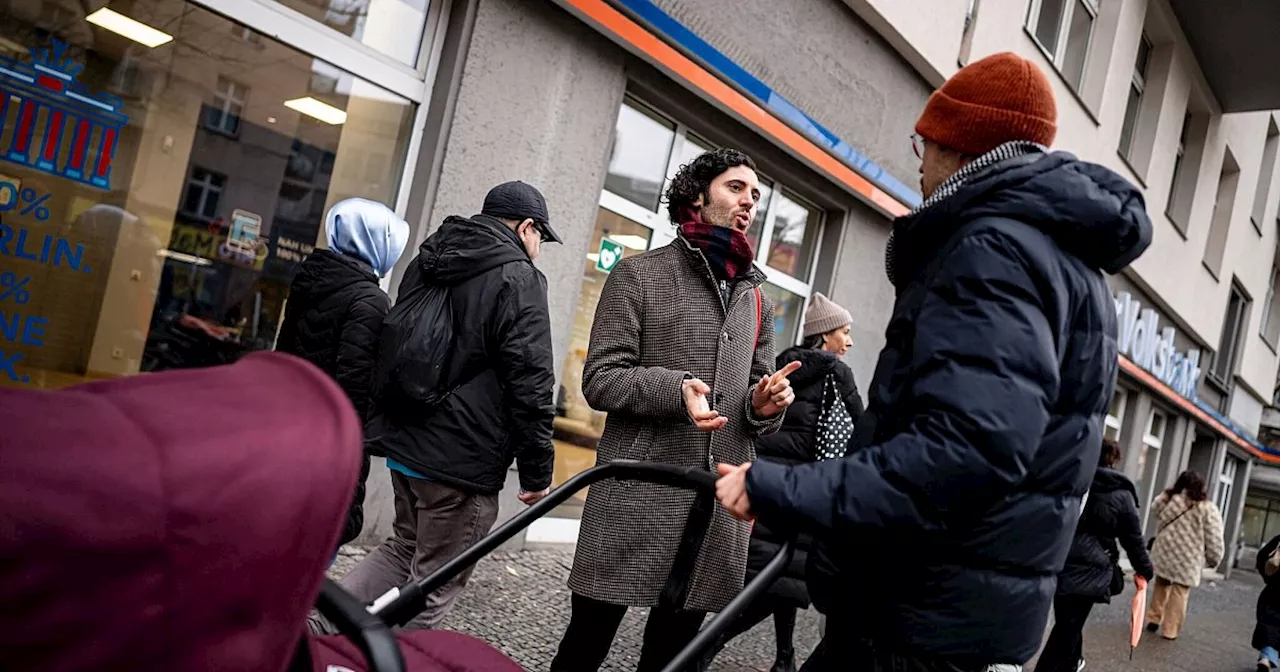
(184, 521)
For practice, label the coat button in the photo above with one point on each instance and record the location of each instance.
(726, 337)
(719, 397)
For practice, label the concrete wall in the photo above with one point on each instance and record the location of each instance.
(828, 62)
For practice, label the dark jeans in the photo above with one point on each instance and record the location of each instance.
(1066, 643)
(837, 652)
(784, 627)
(594, 623)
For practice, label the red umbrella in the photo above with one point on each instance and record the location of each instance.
(1136, 609)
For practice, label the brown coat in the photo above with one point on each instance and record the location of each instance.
(661, 316)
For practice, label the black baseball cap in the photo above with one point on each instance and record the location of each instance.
(519, 201)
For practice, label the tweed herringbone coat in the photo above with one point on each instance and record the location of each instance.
(661, 315)
(1186, 545)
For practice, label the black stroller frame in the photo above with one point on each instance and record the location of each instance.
(370, 626)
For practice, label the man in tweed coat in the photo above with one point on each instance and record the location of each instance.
(681, 357)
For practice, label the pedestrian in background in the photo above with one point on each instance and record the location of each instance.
(1092, 574)
(939, 538)
(465, 386)
(333, 317)
(1266, 634)
(1188, 539)
(681, 358)
(818, 426)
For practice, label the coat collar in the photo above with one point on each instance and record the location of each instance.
(753, 277)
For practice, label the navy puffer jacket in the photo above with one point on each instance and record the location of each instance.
(944, 530)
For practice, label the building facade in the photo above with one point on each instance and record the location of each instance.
(154, 218)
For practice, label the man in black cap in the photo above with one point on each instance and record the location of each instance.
(493, 400)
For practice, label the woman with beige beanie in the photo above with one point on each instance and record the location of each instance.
(818, 426)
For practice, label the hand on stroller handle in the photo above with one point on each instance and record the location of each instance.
(398, 605)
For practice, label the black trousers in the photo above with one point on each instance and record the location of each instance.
(1065, 647)
(593, 625)
(784, 627)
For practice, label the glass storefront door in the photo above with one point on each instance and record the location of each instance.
(163, 170)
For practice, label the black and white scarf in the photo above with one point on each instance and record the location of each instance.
(952, 184)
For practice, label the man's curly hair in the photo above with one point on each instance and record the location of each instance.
(694, 179)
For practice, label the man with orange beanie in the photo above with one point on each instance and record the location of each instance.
(941, 533)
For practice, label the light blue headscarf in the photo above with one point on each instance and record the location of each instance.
(367, 230)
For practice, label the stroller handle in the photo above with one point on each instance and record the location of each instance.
(398, 605)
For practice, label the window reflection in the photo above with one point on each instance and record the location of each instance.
(795, 228)
(181, 206)
(787, 311)
(393, 27)
(641, 150)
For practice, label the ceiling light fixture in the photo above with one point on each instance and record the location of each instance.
(318, 110)
(135, 30)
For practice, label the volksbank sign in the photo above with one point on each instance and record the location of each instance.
(1142, 341)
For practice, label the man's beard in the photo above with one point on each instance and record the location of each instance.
(719, 215)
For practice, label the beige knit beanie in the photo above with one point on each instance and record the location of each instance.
(824, 315)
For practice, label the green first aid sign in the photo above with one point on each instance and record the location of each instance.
(609, 256)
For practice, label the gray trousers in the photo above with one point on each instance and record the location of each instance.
(434, 523)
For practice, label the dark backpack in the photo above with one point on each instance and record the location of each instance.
(415, 348)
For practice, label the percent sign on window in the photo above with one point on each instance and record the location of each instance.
(26, 201)
(13, 288)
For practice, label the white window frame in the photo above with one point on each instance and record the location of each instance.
(1116, 422)
(1266, 306)
(1139, 82)
(663, 231)
(206, 187)
(1156, 440)
(1059, 55)
(235, 95)
(1226, 481)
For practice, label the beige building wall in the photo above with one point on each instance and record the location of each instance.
(930, 33)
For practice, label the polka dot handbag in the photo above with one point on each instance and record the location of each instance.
(835, 425)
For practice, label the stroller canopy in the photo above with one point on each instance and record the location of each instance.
(171, 521)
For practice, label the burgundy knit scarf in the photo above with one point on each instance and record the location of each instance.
(726, 249)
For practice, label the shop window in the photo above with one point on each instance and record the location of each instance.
(393, 27)
(788, 314)
(1115, 415)
(1137, 87)
(1261, 520)
(1224, 360)
(227, 108)
(641, 150)
(204, 191)
(168, 246)
(795, 229)
(1152, 443)
(1064, 29)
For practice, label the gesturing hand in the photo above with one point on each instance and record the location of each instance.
(695, 402)
(774, 392)
(731, 490)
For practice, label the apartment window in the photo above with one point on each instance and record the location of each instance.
(204, 190)
(1224, 205)
(1261, 520)
(224, 113)
(1270, 322)
(1064, 29)
(1137, 86)
(1186, 170)
(1224, 360)
(1265, 174)
(1115, 415)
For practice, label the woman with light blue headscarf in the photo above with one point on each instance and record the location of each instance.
(333, 317)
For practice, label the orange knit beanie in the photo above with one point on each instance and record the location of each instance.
(998, 99)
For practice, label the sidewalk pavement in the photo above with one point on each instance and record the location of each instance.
(518, 601)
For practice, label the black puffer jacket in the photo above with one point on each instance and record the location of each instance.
(333, 320)
(500, 369)
(1267, 630)
(1110, 513)
(795, 443)
(944, 531)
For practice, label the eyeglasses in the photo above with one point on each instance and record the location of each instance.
(917, 145)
